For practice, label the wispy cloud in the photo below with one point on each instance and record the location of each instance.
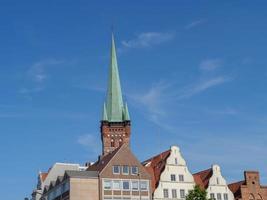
(148, 39)
(210, 64)
(90, 142)
(202, 86)
(37, 71)
(195, 23)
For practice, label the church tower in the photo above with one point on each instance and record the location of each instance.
(115, 123)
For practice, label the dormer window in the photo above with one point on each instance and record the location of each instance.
(116, 169)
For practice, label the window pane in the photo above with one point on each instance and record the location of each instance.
(125, 169)
(107, 185)
(174, 193)
(134, 170)
(116, 185)
(219, 196)
(182, 193)
(135, 185)
(181, 177)
(143, 185)
(126, 185)
(173, 177)
(116, 169)
(225, 196)
(165, 193)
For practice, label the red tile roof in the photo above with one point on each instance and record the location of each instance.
(235, 188)
(103, 161)
(155, 167)
(43, 176)
(202, 178)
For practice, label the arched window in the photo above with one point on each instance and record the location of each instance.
(112, 143)
(120, 142)
(251, 197)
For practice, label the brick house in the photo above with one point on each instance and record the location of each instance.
(249, 188)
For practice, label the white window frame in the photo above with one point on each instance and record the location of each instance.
(174, 191)
(113, 184)
(167, 193)
(123, 181)
(173, 176)
(135, 189)
(182, 191)
(146, 184)
(113, 169)
(122, 169)
(137, 170)
(181, 178)
(104, 186)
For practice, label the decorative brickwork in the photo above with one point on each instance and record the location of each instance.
(114, 134)
(250, 188)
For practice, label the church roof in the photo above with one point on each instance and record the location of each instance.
(114, 110)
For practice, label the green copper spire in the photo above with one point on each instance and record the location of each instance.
(114, 106)
(105, 116)
(126, 115)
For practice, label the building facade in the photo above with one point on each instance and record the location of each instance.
(171, 178)
(45, 178)
(250, 188)
(214, 183)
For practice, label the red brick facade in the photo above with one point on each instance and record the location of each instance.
(250, 188)
(114, 134)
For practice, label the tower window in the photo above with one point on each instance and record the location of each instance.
(120, 142)
(112, 143)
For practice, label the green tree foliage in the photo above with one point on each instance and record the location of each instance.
(197, 194)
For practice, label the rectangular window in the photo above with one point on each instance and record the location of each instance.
(165, 193)
(134, 170)
(225, 196)
(212, 196)
(135, 185)
(182, 193)
(107, 185)
(176, 161)
(219, 196)
(174, 193)
(125, 169)
(218, 181)
(116, 185)
(116, 169)
(144, 185)
(126, 185)
(181, 178)
(173, 177)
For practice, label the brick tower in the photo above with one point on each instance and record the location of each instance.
(115, 123)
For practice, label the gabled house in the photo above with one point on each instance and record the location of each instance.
(215, 184)
(171, 178)
(122, 176)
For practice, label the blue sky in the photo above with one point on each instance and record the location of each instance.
(193, 73)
